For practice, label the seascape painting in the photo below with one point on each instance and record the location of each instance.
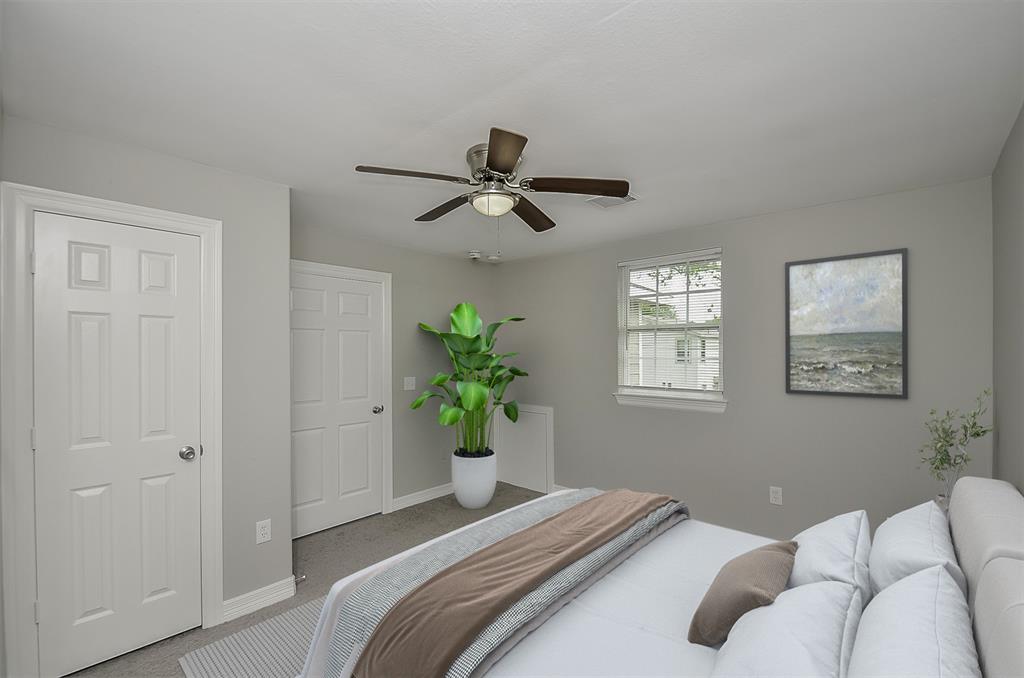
(846, 325)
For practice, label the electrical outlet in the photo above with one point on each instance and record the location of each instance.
(409, 384)
(775, 495)
(263, 531)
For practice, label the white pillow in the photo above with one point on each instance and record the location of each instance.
(919, 626)
(835, 550)
(807, 631)
(911, 541)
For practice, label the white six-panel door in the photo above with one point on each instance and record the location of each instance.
(337, 344)
(117, 387)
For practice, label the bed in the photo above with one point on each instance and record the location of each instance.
(634, 619)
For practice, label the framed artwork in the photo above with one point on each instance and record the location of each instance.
(846, 325)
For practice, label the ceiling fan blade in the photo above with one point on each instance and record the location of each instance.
(444, 208)
(370, 169)
(532, 215)
(616, 188)
(504, 149)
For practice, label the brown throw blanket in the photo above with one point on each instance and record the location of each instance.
(427, 630)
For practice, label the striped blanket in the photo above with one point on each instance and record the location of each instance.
(366, 609)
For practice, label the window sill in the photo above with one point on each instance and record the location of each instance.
(694, 402)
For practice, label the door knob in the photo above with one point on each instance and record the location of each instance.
(377, 409)
(188, 453)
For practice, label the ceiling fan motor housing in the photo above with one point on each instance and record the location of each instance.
(476, 158)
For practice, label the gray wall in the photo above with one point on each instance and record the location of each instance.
(1008, 260)
(425, 287)
(255, 302)
(829, 454)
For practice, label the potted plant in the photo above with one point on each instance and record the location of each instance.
(946, 452)
(470, 395)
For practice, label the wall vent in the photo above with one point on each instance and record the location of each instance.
(604, 201)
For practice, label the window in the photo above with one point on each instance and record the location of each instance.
(670, 332)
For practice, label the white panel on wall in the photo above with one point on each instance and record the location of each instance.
(353, 364)
(90, 379)
(307, 365)
(354, 448)
(156, 516)
(307, 467)
(156, 273)
(92, 552)
(156, 375)
(89, 266)
(525, 448)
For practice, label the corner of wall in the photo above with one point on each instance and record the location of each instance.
(1008, 316)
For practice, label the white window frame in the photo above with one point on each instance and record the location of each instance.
(668, 398)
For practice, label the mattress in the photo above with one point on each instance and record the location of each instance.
(632, 622)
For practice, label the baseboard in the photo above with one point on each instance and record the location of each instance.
(559, 488)
(242, 605)
(405, 501)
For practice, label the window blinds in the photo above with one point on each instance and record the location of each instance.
(670, 322)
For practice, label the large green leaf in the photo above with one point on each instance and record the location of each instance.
(518, 372)
(427, 328)
(493, 327)
(473, 361)
(511, 410)
(449, 416)
(440, 379)
(465, 320)
(460, 344)
(472, 394)
(499, 388)
(424, 397)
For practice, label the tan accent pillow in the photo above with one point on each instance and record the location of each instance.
(744, 583)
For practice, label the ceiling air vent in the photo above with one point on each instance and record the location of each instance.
(604, 201)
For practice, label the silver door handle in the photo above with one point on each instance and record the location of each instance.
(188, 453)
(377, 409)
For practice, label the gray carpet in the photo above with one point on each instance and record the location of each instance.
(324, 557)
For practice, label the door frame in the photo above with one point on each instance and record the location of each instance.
(18, 204)
(348, 273)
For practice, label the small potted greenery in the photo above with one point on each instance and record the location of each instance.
(470, 395)
(946, 453)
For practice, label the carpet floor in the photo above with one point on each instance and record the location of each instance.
(324, 558)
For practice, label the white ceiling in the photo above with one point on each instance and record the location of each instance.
(712, 110)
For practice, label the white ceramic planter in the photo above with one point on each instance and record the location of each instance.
(474, 479)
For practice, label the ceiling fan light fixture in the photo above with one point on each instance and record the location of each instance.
(493, 201)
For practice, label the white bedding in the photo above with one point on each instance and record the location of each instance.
(632, 622)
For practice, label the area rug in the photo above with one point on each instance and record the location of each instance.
(273, 648)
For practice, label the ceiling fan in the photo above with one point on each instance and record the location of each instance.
(493, 167)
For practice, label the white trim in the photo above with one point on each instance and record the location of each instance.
(387, 431)
(672, 400)
(559, 488)
(239, 606)
(18, 204)
(682, 257)
(407, 500)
